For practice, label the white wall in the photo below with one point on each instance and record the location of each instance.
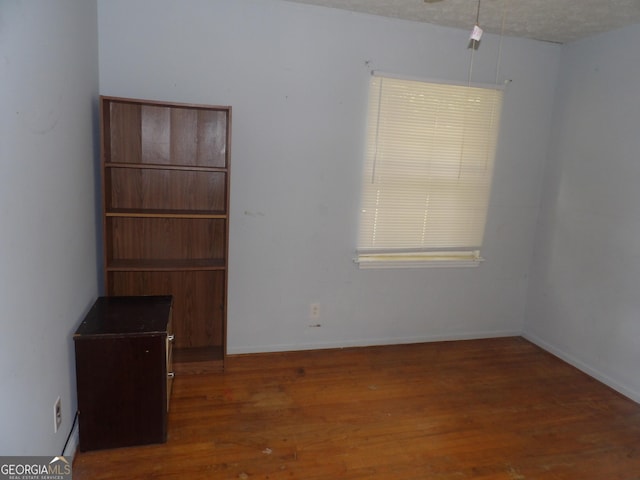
(297, 78)
(584, 302)
(48, 278)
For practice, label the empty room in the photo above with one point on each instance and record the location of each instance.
(388, 239)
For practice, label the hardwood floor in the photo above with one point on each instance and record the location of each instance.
(479, 409)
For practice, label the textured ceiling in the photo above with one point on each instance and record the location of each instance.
(558, 21)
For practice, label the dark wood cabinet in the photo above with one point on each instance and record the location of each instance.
(165, 171)
(124, 371)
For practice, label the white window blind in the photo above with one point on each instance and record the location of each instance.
(428, 171)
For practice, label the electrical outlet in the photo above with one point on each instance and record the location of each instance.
(57, 415)
(314, 311)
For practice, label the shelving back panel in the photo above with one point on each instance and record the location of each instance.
(121, 128)
(167, 135)
(147, 239)
(166, 190)
(198, 301)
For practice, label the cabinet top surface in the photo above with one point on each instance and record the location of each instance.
(142, 315)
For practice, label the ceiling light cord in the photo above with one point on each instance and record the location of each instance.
(474, 45)
(505, 8)
(473, 51)
(464, 126)
(505, 5)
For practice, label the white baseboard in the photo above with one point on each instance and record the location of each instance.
(368, 342)
(580, 365)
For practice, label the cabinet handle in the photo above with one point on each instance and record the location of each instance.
(171, 338)
(171, 374)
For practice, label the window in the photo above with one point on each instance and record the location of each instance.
(427, 174)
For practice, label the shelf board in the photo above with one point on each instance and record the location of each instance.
(152, 213)
(162, 166)
(159, 265)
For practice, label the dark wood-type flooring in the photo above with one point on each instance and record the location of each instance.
(479, 409)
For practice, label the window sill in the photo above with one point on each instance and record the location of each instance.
(408, 260)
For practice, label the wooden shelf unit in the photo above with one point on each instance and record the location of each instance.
(165, 172)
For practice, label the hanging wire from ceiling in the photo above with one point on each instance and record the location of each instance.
(476, 35)
(505, 8)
